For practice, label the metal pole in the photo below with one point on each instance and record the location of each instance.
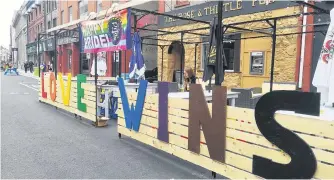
(219, 42)
(125, 64)
(195, 58)
(39, 59)
(273, 55)
(96, 89)
(119, 63)
(80, 53)
(182, 58)
(55, 63)
(162, 61)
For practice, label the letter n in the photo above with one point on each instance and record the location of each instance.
(214, 128)
(133, 115)
(44, 94)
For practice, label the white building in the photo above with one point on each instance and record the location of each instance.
(4, 54)
(19, 24)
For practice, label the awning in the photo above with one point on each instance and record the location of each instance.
(100, 14)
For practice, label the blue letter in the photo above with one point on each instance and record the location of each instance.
(133, 115)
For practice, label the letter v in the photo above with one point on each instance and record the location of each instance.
(133, 115)
(65, 94)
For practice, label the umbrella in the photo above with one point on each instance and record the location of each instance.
(324, 74)
(210, 62)
(137, 66)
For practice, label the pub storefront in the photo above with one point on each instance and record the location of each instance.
(248, 58)
(47, 53)
(68, 53)
(32, 53)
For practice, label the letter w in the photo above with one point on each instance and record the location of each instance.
(133, 115)
(214, 128)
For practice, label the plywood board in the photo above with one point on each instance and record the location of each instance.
(239, 154)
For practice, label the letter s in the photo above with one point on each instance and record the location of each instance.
(303, 162)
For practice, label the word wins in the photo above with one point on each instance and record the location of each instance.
(303, 161)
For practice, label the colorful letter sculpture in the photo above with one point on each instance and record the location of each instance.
(133, 114)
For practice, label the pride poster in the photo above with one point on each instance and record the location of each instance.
(110, 34)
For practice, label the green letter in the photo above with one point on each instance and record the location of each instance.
(80, 92)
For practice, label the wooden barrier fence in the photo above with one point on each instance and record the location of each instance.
(88, 99)
(243, 138)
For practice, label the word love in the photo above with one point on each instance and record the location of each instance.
(65, 92)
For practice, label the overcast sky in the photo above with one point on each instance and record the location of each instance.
(7, 8)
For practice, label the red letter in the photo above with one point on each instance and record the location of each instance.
(44, 94)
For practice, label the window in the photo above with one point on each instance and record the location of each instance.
(69, 52)
(231, 52)
(49, 25)
(98, 5)
(115, 63)
(85, 63)
(79, 5)
(50, 6)
(83, 8)
(55, 5)
(180, 3)
(256, 63)
(54, 22)
(40, 9)
(62, 17)
(70, 15)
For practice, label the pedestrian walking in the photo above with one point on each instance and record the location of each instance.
(25, 66)
(31, 66)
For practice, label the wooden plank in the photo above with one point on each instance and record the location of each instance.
(234, 158)
(203, 161)
(88, 87)
(73, 104)
(69, 109)
(252, 138)
(295, 123)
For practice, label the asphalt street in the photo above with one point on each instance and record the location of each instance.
(38, 141)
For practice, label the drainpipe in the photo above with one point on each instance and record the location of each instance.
(302, 51)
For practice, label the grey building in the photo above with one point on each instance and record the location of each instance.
(19, 42)
(51, 14)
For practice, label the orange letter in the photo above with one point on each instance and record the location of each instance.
(53, 82)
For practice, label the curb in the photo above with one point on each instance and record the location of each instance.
(30, 75)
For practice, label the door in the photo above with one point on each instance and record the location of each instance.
(69, 61)
(85, 64)
(115, 64)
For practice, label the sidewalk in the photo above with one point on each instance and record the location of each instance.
(28, 74)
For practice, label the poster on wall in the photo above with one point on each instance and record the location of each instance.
(110, 34)
(101, 64)
(323, 78)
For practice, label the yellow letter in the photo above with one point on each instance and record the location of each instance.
(65, 95)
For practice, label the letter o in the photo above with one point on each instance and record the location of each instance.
(53, 82)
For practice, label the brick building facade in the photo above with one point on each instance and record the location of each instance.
(69, 58)
(35, 24)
